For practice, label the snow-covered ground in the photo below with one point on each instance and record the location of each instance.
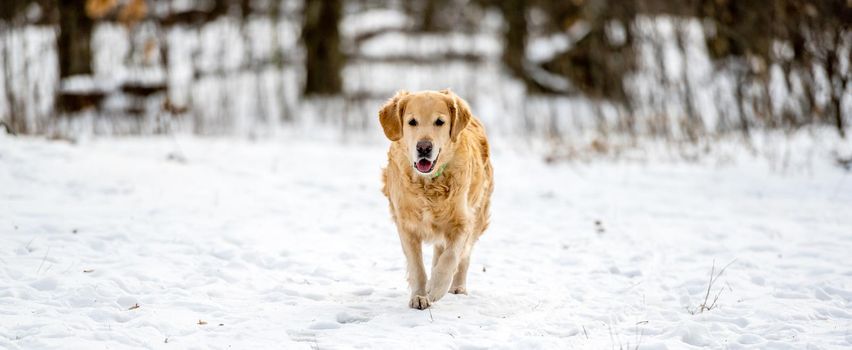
(223, 243)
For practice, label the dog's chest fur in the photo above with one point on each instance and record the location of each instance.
(425, 208)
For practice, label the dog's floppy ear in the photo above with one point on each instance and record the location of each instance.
(390, 116)
(460, 112)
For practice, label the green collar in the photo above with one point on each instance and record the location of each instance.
(440, 170)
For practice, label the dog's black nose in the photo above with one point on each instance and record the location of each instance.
(424, 148)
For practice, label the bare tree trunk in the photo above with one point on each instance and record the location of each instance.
(11, 8)
(838, 115)
(245, 8)
(515, 37)
(321, 36)
(75, 34)
(694, 123)
(427, 19)
(744, 124)
(838, 83)
(220, 8)
(13, 123)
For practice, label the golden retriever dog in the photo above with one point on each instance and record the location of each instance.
(438, 182)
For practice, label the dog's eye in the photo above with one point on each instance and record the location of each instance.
(439, 122)
(412, 122)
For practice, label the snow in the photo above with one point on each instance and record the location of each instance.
(374, 20)
(430, 46)
(544, 48)
(288, 243)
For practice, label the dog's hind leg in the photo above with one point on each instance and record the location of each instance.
(459, 285)
(439, 249)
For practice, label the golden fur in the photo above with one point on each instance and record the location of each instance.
(450, 211)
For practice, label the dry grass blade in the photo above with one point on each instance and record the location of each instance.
(714, 276)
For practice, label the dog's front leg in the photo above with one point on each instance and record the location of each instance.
(416, 273)
(444, 269)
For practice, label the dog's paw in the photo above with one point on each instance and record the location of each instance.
(419, 302)
(458, 290)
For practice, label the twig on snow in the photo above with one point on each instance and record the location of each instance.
(639, 333)
(42, 260)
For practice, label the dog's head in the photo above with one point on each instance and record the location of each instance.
(425, 123)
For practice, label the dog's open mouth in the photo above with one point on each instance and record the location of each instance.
(424, 165)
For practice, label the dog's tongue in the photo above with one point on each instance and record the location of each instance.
(424, 165)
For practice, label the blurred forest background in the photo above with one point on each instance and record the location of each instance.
(675, 70)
